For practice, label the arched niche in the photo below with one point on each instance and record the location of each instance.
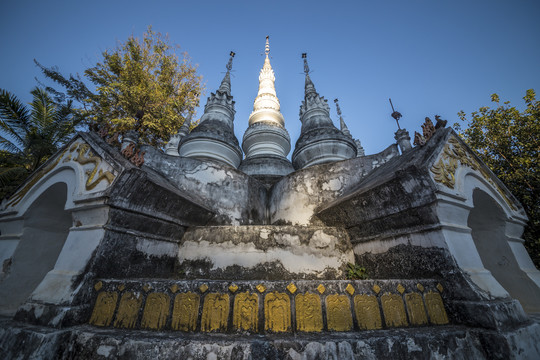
(46, 226)
(488, 223)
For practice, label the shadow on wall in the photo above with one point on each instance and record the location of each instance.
(488, 223)
(46, 227)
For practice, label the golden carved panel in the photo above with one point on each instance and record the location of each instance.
(277, 312)
(367, 311)
(156, 311)
(185, 312)
(308, 312)
(245, 312)
(393, 310)
(215, 314)
(103, 312)
(85, 156)
(435, 308)
(338, 313)
(128, 310)
(455, 154)
(416, 309)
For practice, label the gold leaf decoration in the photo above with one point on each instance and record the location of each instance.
(292, 288)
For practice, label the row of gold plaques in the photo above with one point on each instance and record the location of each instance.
(398, 310)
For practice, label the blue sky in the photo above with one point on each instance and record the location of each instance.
(431, 57)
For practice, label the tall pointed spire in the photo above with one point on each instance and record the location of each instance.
(266, 137)
(214, 137)
(226, 82)
(320, 141)
(343, 127)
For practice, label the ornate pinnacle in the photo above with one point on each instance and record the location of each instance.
(337, 107)
(229, 64)
(267, 46)
(395, 114)
(306, 66)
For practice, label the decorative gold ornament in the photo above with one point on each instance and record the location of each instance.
(121, 287)
(435, 308)
(292, 288)
(394, 310)
(261, 288)
(350, 289)
(85, 156)
(420, 287)
(147, 287)
(173, 288)
(367, 311)
(103, 312)
(246, 311)
(128, 310)
(376, 288)
(321, 289)
(440, 287)
(338, 313)
(277, 312)
(215, 313)
(185, 311)
(203, 288)
(308, 312)
(98, 285)
(156, 311)
(416, 309)
(233, 288)
(455, 154)
(401, 289)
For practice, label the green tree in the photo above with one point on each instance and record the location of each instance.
(508, 141)
(140, 85)
(29, 136)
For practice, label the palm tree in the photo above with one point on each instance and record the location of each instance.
(29, 136)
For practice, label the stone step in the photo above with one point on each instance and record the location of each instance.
(265, 307)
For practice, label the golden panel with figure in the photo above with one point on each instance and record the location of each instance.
(277, 312)
(416, 309)
(393, 310)
(128, 310)
(338, 313)
(308, 312)
(215, 314)
(367, 311)
(103, 312)
(156, 311)
(245, 312)
(185, 311)
(435, 308)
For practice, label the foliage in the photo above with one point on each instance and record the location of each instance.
(140, 85)
(508, 141)
(29, 136)
(356, 272)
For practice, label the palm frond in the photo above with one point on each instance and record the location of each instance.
(14, 116)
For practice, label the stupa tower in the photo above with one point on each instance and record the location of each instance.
(266, 142)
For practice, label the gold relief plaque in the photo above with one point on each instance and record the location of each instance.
(128, 310)
(215, 312)
(350, 289)
(277, 312)
(292, 288)
(338, 313)
(185, 311)
(104, 308)
(393, 310)
(416, 309)
(308, 312)
(435, 308)
(98, 285)
(245, 312)
(156, 311)
(367, 312)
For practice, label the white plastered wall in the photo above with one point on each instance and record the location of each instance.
(453, 209)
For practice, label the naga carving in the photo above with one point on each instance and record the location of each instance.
(85, 156)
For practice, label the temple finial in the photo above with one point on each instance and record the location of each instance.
(229, 64)
(267, 46)
(337, 107)
(306, 66)
(343, 127)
